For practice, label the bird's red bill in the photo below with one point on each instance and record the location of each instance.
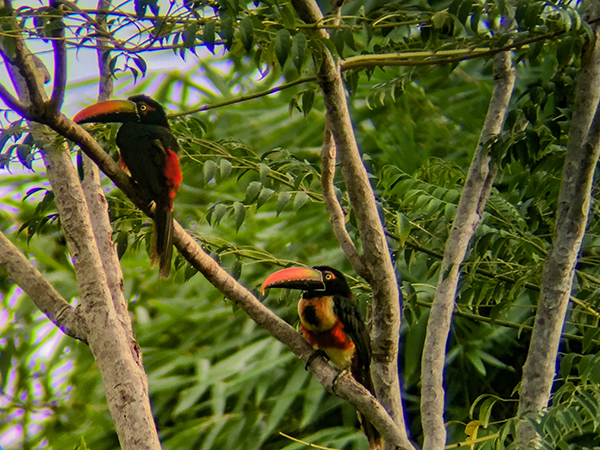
(103, 108)
(294, 278)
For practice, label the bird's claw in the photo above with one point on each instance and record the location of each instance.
(316, 354)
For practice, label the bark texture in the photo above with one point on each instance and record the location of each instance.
(118, 360)
(581, 158)
(468, 216)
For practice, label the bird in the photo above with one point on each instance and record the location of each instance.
(149, 152)
(332, 323)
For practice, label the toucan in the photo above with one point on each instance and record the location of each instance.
(332, 323)
(149, 152)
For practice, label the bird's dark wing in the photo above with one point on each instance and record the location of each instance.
(143, 150)
(354, 326)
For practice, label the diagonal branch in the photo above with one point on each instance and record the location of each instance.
(232, 289)
(468, 216)
(41, 292)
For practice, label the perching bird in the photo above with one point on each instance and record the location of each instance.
(150, 152)
(332, 323)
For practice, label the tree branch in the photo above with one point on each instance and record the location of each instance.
(571, 218)
(336, 213)
(468, 216)
(380, 271)
(41, 292)
(60, 67)
(119, 364)
(344, 387)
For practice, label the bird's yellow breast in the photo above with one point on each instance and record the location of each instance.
(316, 314)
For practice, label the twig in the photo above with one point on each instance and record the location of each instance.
(244, 98)
(308, 444)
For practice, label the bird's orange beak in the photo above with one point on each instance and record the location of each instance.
(109, 111)
(295, 278)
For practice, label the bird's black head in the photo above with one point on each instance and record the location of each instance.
(316, 282)
(335, 282)
(150, 111)
(139, 108)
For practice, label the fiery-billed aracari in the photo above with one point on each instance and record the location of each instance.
(332, 323)
(149, 152)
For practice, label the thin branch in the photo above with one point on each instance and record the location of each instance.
(13, 103)
(336, 213)
(105, 84)
(41, 292)
(474, 196)
(60, 67)
(244, 98)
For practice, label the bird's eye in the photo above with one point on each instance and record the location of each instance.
(143, 107)
(328, 276)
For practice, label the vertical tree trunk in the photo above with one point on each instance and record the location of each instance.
(468, 216)
(571, 218)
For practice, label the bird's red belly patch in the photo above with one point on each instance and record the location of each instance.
(172, 169)
(333, 338)
(172, 173)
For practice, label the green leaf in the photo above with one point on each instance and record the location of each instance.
(564, 52)
(25, 155)
(236, 269)
(264, 172)
(288, 15)
(208, 36)
(308, 99)
(264, 196)
(239, 212)
(298, 50)
(283, 44)
(299, 201)
(227, 31)
(225, 167)
(122, 243)
(252, 191)
(566, 363)
(403, 227)
(209, 170)
(247, 33)
(189, 35)
(283, 199)
(218, 213)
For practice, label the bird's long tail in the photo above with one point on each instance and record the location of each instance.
(161, 246)
(363, 376)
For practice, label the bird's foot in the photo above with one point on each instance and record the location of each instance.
(316, 354)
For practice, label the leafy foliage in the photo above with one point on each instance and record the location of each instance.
(251, 196)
